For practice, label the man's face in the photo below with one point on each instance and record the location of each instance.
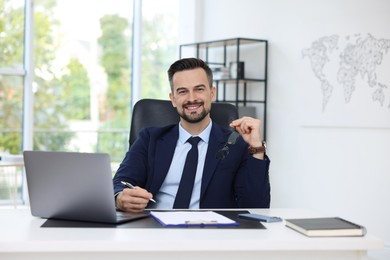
(192, 95)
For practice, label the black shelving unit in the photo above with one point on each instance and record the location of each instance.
(246, 88)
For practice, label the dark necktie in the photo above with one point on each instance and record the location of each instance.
(183, 196)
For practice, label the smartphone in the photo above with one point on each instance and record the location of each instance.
(258, 217)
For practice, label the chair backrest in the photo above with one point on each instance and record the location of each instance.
(155, 112)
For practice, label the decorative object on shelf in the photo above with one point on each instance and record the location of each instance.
(237, 70)
(220, 73)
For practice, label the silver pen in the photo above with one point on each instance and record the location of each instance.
(129, 185)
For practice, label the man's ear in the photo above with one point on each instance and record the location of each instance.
(213, 93)
(171, 97)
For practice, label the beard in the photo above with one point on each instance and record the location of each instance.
(194, 117)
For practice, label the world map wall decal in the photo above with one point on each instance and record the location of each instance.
(356, 59)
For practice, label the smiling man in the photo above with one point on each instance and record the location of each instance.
(157, 162)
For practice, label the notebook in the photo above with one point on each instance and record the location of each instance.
(73, 186)
(325, 227)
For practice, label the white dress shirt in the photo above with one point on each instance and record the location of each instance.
(166, 196)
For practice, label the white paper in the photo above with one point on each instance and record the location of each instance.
(191, 218)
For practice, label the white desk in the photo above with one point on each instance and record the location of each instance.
(22, 237)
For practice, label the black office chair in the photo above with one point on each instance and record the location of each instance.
(155, 112)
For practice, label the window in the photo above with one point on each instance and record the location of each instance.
(159, 46)
(82, 72)
(11, 96)
(11, 35)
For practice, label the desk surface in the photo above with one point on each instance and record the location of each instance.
(21, 233)
(11, 163)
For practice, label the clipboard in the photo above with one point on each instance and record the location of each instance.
(191, 218)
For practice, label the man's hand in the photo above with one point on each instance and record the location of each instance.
(250, 130)
(133, 200)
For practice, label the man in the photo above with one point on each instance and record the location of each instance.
(154, 164)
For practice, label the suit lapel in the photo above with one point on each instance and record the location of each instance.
(165, 149)
(218, 138)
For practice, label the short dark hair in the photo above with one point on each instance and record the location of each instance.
(189, 64)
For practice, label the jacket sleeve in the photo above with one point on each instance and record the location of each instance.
(133, 168)
(252, 186)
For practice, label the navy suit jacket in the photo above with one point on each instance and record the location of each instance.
(237, 181)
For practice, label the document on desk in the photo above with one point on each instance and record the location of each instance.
(192, 218)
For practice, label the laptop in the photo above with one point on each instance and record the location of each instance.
(73, 186)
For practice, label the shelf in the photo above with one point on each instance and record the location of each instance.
(240, 81)
(226, 42)
(243, 101)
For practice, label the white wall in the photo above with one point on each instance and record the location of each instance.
(336, 161)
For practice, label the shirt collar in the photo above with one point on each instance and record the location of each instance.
(204, 135)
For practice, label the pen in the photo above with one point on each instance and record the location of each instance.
(129, 185)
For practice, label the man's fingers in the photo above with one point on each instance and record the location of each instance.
(134, 200)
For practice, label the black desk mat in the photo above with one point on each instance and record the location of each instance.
(150, 222)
